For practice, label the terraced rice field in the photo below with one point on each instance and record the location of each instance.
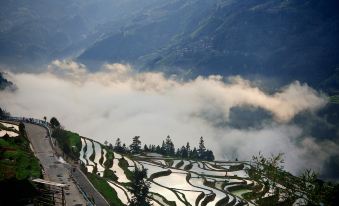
(173, 181)
(11, 130)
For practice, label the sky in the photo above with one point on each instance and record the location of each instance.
(116, 101)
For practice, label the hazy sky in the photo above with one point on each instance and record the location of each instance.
(119, 102)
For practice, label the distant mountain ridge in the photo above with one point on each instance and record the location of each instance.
(288, 39)
(283, 39)
(5, 84)
(33, 33)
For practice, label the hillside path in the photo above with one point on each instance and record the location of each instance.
(54, 170)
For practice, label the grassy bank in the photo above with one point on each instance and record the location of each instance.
(16, 158)
(17, 166)
(103, 187)
(69, 142)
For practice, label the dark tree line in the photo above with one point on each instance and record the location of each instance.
(4, 113)
(167, 148)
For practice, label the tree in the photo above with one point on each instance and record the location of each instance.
(139, 188)
(146, 149)
(6, 137)
(209, 156)
(169, 147)
(118, 143)
(4, 113)
(317, 191)
(188, 149)
(135, 147)
(22, 129)
(202, 148)
(152, 148)
(163, 148)
(118, 147)
(183, 152)
(54, 122)
(124, 148)
(268, 171)
(178, 153)
(286, 188)
(158, 149)
(194, 154)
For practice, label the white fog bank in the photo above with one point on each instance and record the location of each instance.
(119, 102)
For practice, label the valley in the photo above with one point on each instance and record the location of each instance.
(169, 103)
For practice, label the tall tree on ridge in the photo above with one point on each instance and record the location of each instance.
(188, 149)
(183, 152)
(135, 147)
(169, 146)
(118, 146)
(54, 122)
(202, 148)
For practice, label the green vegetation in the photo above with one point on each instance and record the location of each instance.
(199, 198)
(54, 122)
(109, 174)
(167, 202)
(208, 199)
(17, 166)
(92, 157)
(17, 192)
(236, 167)
(69, 142)
(209, 183)
(188, 167)
(266, 183)
(17, 162)
(160, 174)
(140, 188)
(135, 147)
(181, 163)
(124, 165)
(167, 148)
(109, 159)
(103, 187)
(95, 169)
(286, 188)
(334, 99)
(16, 159)
(101, 160)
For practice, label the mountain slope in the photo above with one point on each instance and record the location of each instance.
(153, 30)
(36, 32)
(288, 39)
(5, 84)
(291, 39)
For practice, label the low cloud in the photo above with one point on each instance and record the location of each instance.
(119, 102)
